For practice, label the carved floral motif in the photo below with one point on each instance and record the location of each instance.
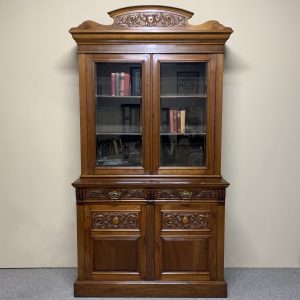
(182, 194)
(108, 194)
(188, 220)
(185, 220)
(155, 19)
(115, 220)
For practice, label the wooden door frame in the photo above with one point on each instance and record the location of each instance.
(88, 134)
(211, 60)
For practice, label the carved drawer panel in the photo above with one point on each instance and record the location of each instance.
(113, 194)
(115, 220)
(186, 194)
(193, 220)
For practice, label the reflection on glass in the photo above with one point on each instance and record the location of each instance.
(118, 110)
(183, 109)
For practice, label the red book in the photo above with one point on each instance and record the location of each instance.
(171, 120)
(113, 84)
(126, 84)
(122, 84)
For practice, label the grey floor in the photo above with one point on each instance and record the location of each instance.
(39, 284)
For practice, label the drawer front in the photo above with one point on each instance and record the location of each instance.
(110, 194)
(186, 194)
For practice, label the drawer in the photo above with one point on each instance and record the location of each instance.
(111, 194)
(186, 194)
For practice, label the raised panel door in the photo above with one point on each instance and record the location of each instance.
(185, 241)
(116, 242)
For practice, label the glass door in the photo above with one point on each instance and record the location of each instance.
(119, 114)
(184, 101)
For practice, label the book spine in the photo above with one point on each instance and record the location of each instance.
(171, 121)
(122, 84)
(118, 84)
(182, 121)
(126, 84)
(178, 121)
(113, 84)
(175, 120)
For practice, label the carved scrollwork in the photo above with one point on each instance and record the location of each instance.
(79, 194)
(107, 194)
(155, 19)
(185, 220)
(115, 220)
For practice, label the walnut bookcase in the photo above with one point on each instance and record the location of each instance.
(150, 198)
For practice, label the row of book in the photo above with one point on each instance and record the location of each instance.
(177, 120)
(120, 84)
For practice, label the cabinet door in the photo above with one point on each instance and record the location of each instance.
(184, 110)
(185, 242)
(115, 242)
(115, 127)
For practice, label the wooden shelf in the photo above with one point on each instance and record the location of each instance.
(118, 133)
(182, 96)
(187, 133)
(117, 97)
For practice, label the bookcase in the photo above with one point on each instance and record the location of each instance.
(150, 197)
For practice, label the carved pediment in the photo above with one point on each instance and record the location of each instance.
(150, 22)
(150, 16)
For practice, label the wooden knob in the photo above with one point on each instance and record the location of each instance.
(116, 220)
(185, 220)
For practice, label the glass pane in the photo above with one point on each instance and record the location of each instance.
(118, 100)
(183, 109)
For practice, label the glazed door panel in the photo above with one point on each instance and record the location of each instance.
(184, 104)
(118, 102)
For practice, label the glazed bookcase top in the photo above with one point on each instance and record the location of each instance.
(152, 23)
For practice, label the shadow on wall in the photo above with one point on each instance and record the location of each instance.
(68, 62)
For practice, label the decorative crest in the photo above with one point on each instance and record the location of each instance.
(150, 16)
(150, 22)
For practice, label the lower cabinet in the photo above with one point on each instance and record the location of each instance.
(157, 247)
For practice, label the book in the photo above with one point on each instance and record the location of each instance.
(118, 75)
(113, 84)
(126, 84)
(122, 83)
(175, 121)
(171, 120)
(182, 121)
(178, 121)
